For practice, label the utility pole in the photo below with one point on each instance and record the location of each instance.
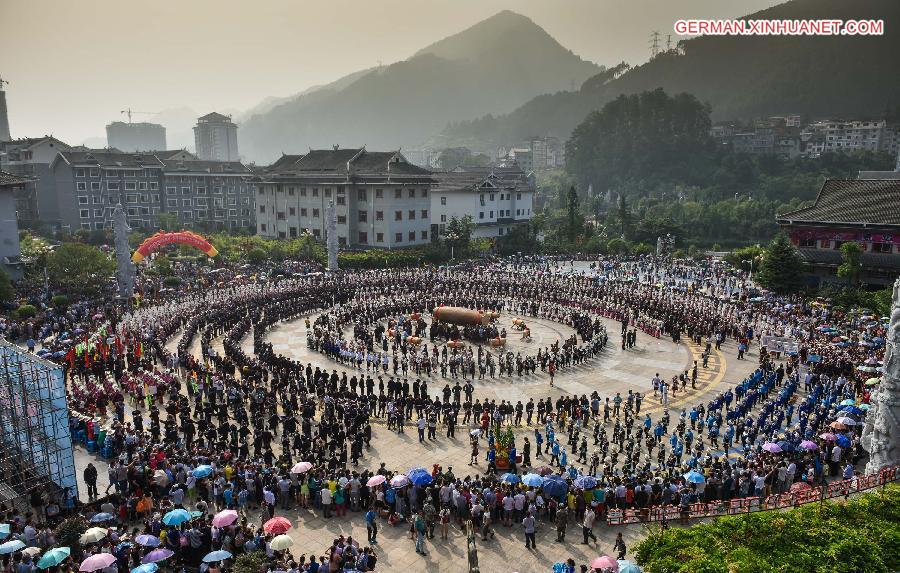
(654, 44)
(669, 42)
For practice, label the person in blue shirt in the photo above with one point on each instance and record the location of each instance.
(538, 440)
(554, 458)
(648, 423)
(563, 459)
(372, 526)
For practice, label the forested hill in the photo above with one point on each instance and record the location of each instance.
(740, 77)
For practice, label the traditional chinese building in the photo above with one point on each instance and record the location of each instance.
(866, 212)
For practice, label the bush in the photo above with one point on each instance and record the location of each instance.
(618, 246)
(69, 532)
(26, 311)
(60, 301)
(255, 562)
(171, 281)
(860, 535)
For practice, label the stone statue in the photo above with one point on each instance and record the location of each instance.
(881, 433)
(331, 239)
(124, 266)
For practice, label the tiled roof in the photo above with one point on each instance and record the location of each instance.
(478, 177)
(833, 258)
(175, 154)
(232, 167)
(851, 201)
(215, 116)
(335, 161)
(9, 180)
(111, 158)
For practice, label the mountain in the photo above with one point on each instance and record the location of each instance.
(741, 77)
(492, 67)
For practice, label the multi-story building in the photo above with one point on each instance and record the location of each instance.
(546, 153)
(10, 254)
(866, 212)
(759, 142)
(214, 194)
(381, 199)
(847, 136)
(30, 158)
(131, 137)
(497, 198)
(215, 138)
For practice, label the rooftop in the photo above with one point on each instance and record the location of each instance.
(870, 202)
(10, 180)
(110, 158)
(346, 162)
(214, 116)
(198, 166)
(479, 177)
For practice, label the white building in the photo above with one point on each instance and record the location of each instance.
(215, 137)
(848, 136)
(497, 199)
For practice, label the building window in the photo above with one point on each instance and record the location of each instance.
(200, 190)
(292, 211)
(398, 215)
(500, 231)
(95, 185)
(361, 196)
(341, 200)
(518, 196)
(131, 198)
(290, 191)
(315, 192)
(443, 200)
(443, 218)
(97, 200)
(262, 208)
(130, 186)
(185, 202)
(412, 215)
(112, 172)
(81, 186)
(379, 215)
(154, 186)
(303, 211)
(424, 235)
(82, 200)
(315, 213)
(424, 192)
(379, 193)
(79, 172)
(363, 217)
(293, 230)
(112, 185)
(280, 216)
(412, 193)
(95, 172)
(481, 214)
(837, 244)
(424, 213)
(84, 213)
(397, 193)
(342, 219)
(98, 213)
(379, 237)
(808, 243)
(412, 235)
(317, 233)
(363, 236)
(262, 227)
(398, 237)
(882, 248)
(172, 202)
(303, 191)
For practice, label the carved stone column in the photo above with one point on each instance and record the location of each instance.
(881, 434)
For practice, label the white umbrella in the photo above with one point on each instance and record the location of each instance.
(281, 542)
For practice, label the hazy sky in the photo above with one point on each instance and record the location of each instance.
(73, 65)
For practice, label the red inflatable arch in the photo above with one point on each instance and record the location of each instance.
(161, 238)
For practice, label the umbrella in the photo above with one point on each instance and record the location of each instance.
(161, 478)
(176, 517)
(694, 477)
(605, 563)
(475, 433)
(147, 540)
(98, 561)
(864, 407)
(853, 410)
(827, 436)
(808, 445)
(872, 381)
(11, 547)
(219, 555)
(554, 486)
(157, 555)
(544, 471)
(847, 421)
(842, 441)
(225, 518)
(281, 542)
(53, 557)
(301, 468)
(848, 402)
(4, 528)
(532, 480)
(399, 481)
(93, 535)
(837, 425)
(771, 447)
(585, 482)
(276, 525)
(202, 471)
(376, 480)
(510, 478)
(799, 486)
(419, 477)
(31, 551)
(146, 568)
(627, 567)
(101, 517)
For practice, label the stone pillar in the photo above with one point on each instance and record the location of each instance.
(124, 266)
(881, 434)
(331, 239)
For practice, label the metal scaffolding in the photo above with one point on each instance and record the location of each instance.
(37, 461)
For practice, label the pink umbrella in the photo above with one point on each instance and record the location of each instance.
(157, 555)
(225, 518)
(771, 447)
(828, 436)
(98, 561)
(376, 480)
(277, 525)
(808, 445)
(301, 468)
(605, 563)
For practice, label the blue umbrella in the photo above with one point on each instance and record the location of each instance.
(510, 478)
(176, 517)
(786, 446)
(555, 486)
(585, 482)
(53, 557)
(100, 517)
(852, 410)
(848, 402)
(532, 480)
(4, 530)
(202, 471)
(214, 556)
(627, 567)
(146, 568)
(842, 441)
(147, 540)
(694, 477)
(11, 547)
(419, 477)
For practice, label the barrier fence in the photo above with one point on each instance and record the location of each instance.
(752, 504)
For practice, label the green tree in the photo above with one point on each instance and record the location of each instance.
(851, 265)
(79, 268)
(459, 234)
(163, 265)
(781, 267)
(572, 214)
(7, 292)
(168, 221)
(741, 258)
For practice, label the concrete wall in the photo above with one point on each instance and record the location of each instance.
(9, 232)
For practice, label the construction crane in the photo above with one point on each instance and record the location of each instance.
(2, 81)
(129, 111)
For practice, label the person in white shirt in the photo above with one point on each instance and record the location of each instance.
(587, 526)
(326, 501)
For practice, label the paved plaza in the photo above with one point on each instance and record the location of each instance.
(613, 370)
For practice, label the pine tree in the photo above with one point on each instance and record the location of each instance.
(781, 269)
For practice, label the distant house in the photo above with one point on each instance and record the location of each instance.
(10, 255)
(866, 212)
(30, 158)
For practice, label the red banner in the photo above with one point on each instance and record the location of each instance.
(156, 241)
